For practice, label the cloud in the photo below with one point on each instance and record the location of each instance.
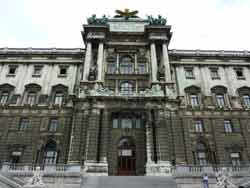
(207, 24)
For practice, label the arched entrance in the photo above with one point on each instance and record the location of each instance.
(126, 157)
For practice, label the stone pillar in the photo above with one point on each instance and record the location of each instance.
(117, 63)
(105, 135)
(100, 62)
(87, 62)
(136, 65)
(149, 140)
(166, 62)
(92, 136)
(153, 62)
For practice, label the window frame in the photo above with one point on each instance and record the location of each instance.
(189, 70)
(40, 68)
(228, 126)
(126, 90)
(52, 126)
(214, 73)
(237, 70)
(199, 127)
(4, 98)
(23, 124)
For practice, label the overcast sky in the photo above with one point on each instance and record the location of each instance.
(196, 24)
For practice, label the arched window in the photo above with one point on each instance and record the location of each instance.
(59, 94)
(126, 65)
(244, 93)
(5, 93)
(193, 95)
(50, 153)
(126, 88)
(201, 154)
(31, 94)
(220, 96)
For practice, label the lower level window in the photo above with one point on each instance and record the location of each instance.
(50, 157)
(201, 157)
(4, 98)
(235, 159)
(126, 88)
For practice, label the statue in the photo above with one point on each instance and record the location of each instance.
(157, 21)
(223, 178)
(92, 73)
(36, 180)
(126, 14)
(99, 21)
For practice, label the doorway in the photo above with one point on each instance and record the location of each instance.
(126, 157)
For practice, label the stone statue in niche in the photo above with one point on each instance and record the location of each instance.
(160, 72)
(92, 73)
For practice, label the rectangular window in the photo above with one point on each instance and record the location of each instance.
(111, 68)
(239, 74)
(246, 100)
(115, 123)
(194, 100)
(31, 98)
(189, 73)
(53, 125)
(50, 157)
(138, 123)
(201, 156)
(12, 70)
(142, 68)
(228, 126)
(24, 123)
(214, 73)
(63, 71)
(37, 70)
(199, 126)
(220, 100)
(126, 123)
(235, 159)
(4, 98)
(58, 98)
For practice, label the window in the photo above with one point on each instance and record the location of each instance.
(199, 126)
(189, 73)
(12, 70)
(142, 68)
(126, 88)
(62, 71)
(50, 153)
(4, 98)
(24, 123)
(220, 100)
(115, 123)
(37, 70)
(235, 159)
(138, 123)
(246, 100)
(31, 98)
(53, 125)
(58, 98)
(201, 157)
(126, 65)
(239, 73)
(228, 126)
(194, 100)
(214, 73)
(126, 123)
(111, 68)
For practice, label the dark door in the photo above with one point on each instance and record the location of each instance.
(126, 158)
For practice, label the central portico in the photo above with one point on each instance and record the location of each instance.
(126, 98)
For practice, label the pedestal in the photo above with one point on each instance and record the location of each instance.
(162, 168)
(95, 169)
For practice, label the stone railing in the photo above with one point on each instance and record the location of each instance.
(193, 171)
(48, 170)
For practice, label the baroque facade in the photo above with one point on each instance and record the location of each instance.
(126, 104)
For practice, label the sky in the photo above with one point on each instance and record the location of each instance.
(196, 24)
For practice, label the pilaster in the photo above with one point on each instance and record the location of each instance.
(87, 62)
(154, 66)
(100, 62)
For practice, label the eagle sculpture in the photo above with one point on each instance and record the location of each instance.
(126, 14)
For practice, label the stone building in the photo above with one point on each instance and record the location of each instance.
(126, 104)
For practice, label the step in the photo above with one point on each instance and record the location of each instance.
(128, 182)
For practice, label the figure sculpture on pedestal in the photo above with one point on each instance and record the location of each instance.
(36, 180)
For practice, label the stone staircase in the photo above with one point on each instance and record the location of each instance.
(128, 182)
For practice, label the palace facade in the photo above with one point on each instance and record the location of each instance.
(126, 104)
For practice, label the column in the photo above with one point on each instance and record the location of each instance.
(153, 62)
(149, 139)
(117, 64)
(88, 57)
(100, 62)
(136, 65)
(166, 62)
